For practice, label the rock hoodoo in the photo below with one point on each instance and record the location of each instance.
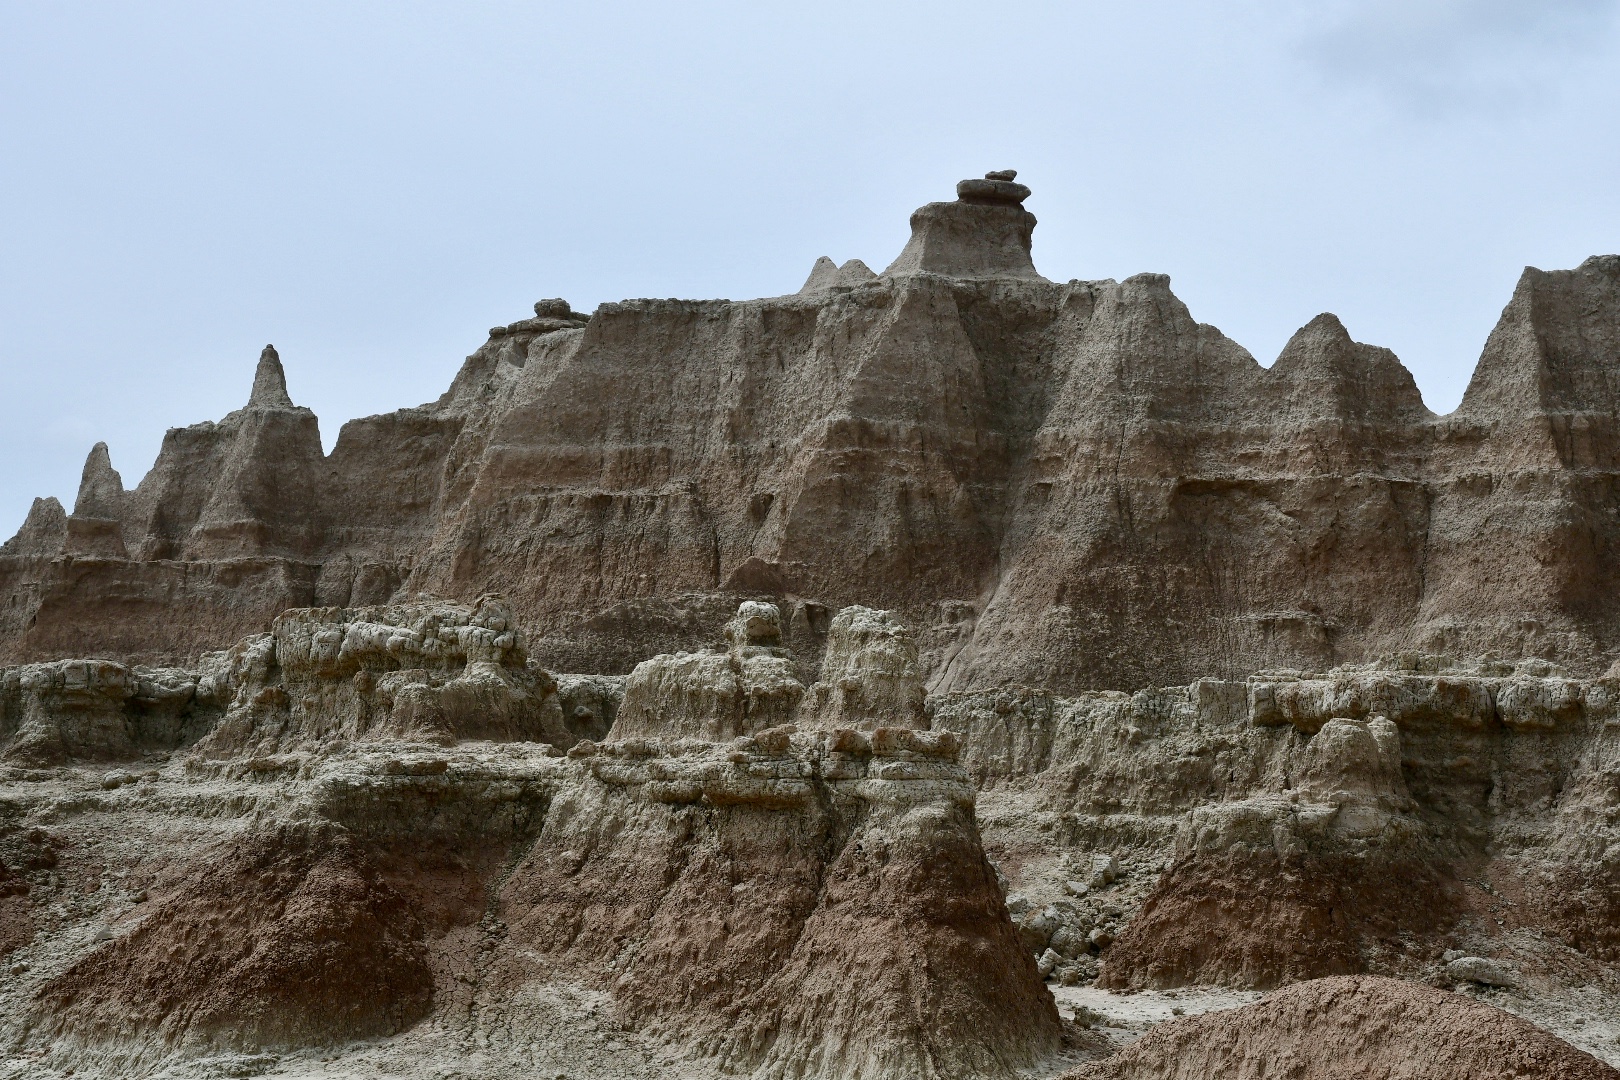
(984, 234)
(270, 382)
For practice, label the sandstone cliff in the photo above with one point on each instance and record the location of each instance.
(1070, 485)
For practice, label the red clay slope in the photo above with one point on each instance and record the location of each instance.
(1351, 1027)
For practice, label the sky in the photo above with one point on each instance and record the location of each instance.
(370, 186)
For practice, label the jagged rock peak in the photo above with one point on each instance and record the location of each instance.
(827, 275)
(1552, 350)
(270, 382)
(101, 489)
(1326, 373)
(43, 532)
(985, 233)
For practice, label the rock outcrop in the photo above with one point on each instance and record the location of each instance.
(769, 901)
(797, 905)
(286, 937)
(426, 671)
(1310, 824)
(984, 234)
(870, 674)
(827, 275)
(805, 687)
(43, 532)
(1100, 491)
(714, 695)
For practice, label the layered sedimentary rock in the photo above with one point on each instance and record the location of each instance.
(423, 671)
(288, 935)
(768, 901)
(1072, 485)
(806, 687)
(772, 865)
(795, 906)
(1359, 820)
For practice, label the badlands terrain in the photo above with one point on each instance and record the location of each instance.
(940, 673)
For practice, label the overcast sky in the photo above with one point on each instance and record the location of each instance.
(372, 185)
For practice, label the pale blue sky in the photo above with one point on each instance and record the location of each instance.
(371, 185)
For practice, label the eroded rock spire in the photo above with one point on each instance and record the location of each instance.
(827, 275)
(101, 489)
(270, 382)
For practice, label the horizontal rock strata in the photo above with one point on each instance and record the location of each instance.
(811, 903)
(1074, 485)
(810, 687)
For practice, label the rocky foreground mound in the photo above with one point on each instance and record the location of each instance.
(392, 824)
(285, 935)
(1351, 1028)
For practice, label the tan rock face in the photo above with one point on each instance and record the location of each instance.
(1313, 825)
(758, 899)
(985, 233)
(870, 675)
(1110, 493)
(794, 907)
(714, 695)
(44, 531)
(424, 671)
(765, 896)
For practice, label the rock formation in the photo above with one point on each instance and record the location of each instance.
(727, 890)
(286, 936)
(815, 686)
(1103, 492)
(1371, 802)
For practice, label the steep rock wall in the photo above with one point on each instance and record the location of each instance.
(1071, 485)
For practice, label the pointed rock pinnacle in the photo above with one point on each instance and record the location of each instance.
(270, 382)
(101, 489)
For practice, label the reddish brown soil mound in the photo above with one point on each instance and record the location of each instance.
(834, 940)
(1251, 919)
(1351, 1028)
(19, 854)
(909, 946)
(16, 922)
(1581, 904)
(285, 936)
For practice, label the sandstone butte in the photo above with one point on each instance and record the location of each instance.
(941, 673)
